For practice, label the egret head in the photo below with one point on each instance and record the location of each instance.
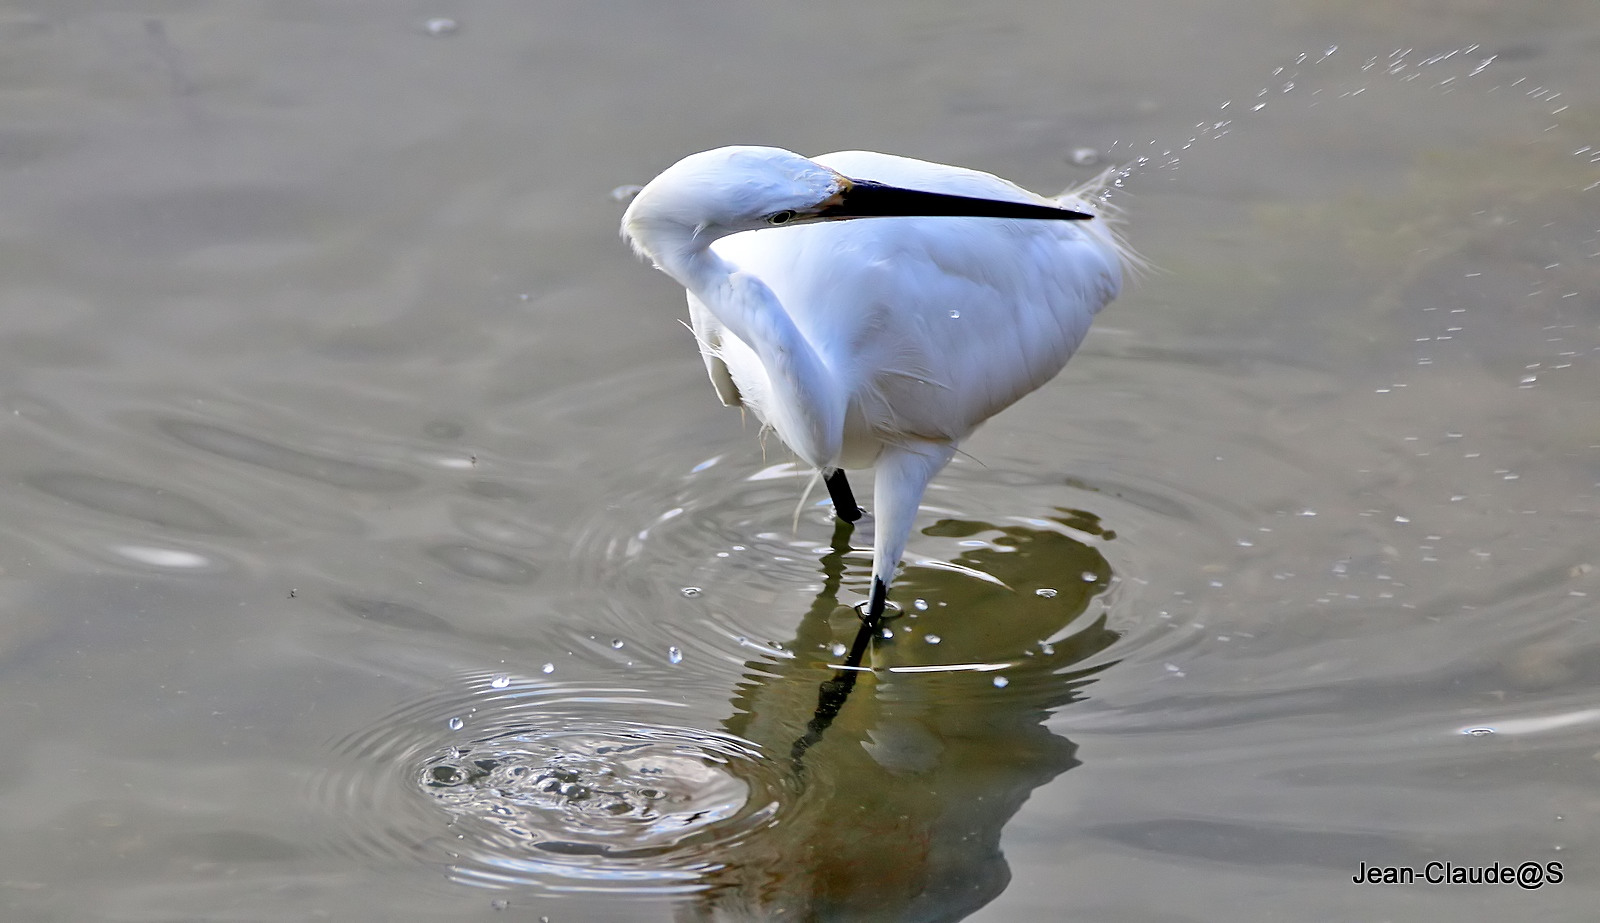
(716, 193)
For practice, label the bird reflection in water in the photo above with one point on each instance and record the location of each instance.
(907, 768)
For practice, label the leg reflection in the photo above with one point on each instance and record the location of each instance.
(902, 776)
(833, 692)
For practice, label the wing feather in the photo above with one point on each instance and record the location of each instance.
(933, 324)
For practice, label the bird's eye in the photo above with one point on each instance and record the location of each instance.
(783, 217)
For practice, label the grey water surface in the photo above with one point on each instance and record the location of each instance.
(373, 548)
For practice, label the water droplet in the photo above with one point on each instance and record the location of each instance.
(1090, 576)
(954, 313)
(691, 591)
(439, 25)
(674, 655)
(1046, 592)
(456, 724)
(500, 682)
(932, 639)
(1085, 156)
(617, 644)
(1478, 732)
(1000, 682)
(548, 668)
(838, 649)
(919, 604)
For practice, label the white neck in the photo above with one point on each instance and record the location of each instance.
(807, 405)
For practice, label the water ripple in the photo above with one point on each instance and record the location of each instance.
(514, 782)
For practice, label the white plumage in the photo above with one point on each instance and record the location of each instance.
(880, 342)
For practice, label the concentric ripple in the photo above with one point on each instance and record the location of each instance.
(558, 787)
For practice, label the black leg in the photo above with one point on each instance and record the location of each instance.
(844, 501)
(876, 603)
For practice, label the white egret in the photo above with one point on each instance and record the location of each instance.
(878, 343)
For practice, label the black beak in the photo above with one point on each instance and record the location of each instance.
(866, 199)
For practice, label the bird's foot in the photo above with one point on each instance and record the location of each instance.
(878, 608)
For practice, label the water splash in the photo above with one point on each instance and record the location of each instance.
(555, 787)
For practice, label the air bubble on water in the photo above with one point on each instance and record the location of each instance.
(500, 681)
(919, 604)
(1000, 682)
(1046, 592)
(1477, 732)
(954, 314)
(674, 655)
(548, 668)
(456, 723)
(1090, 576)
(617, 644)
(932, 639)
(691, 591)
(838, 649)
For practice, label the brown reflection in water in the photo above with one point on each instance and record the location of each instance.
(902, 796)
